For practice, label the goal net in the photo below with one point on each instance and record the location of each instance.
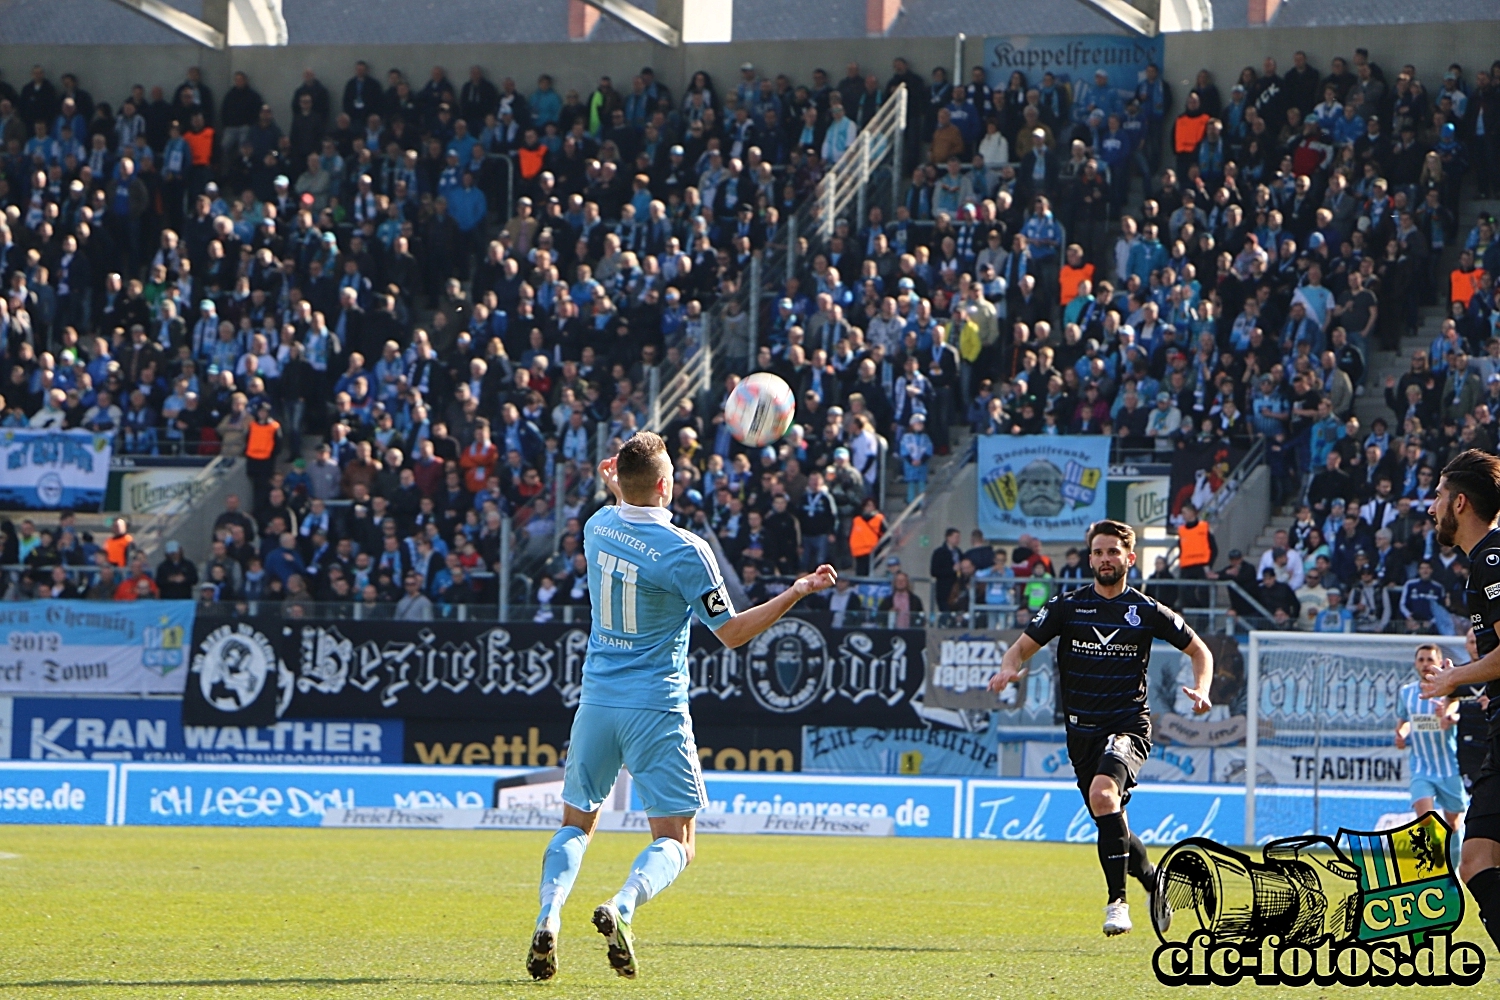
(1320, 730)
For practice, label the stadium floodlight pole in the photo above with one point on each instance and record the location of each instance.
(830, 209)
(706, 368)
(1320, 678)
(184, 24)
(1252, 734)
(898, 149)
(650, 25)
(559, 481)
(510, 182)
(791, 245)
(505, 553)
(752, 304)
(864, 178)
(653, 394)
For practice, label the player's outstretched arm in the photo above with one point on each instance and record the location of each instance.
(748, 624)
(1011, 664)
(1442, 683)
(1203, 675)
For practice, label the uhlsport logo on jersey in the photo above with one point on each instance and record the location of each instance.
(787, 665)
(1374, 909)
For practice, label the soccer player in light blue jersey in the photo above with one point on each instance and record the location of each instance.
(647, 581)
(1428, 731)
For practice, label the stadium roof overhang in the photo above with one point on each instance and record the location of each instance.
(650, 25)
(245, 22)
(1140, 16)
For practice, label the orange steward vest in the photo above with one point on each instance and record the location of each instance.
(262, 441)
(1188, 132)
(1192, 545)
(864, 535)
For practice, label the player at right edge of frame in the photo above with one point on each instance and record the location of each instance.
(1465, 508)
(1104, 635)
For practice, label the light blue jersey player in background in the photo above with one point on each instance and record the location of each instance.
(647, 581)
(1428, 731)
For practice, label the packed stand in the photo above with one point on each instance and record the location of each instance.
(419, 310)
(185, 274)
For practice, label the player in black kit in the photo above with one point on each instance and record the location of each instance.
(1104, 635)
(1465, 509)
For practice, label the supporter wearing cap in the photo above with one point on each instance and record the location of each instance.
(176, 576)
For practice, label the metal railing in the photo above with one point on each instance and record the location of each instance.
(293, 607)
(1252, 461)
(992, 602)
(866, 167)
(848, 183)
(695, 378)
(1209, 605)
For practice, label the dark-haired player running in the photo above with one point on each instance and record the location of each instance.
(1104, 635)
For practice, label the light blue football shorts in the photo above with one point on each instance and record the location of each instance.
(1446, 793)
(657, 748)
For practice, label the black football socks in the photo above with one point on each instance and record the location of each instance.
(1114, 853)
(1485, 888)
(1141, 867)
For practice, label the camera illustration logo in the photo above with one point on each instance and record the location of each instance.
(1373, 909)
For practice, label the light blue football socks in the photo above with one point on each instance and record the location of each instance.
(655, 868)
(560, 867)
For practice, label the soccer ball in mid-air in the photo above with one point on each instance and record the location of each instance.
(760, 409)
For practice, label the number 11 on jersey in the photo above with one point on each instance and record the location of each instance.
(610, 565)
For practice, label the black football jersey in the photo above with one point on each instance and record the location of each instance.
(1103, 650)
(1482, 599)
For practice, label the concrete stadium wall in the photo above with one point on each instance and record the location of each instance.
(108, 72)
(1245, 516)
(955, 507)
(1428, 47)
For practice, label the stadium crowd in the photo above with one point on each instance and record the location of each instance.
(459, 290)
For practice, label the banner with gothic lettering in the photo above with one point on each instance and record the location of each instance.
(795, 673)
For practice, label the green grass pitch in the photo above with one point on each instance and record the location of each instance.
(167, 913)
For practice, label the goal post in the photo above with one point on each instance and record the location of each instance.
(1313, 690)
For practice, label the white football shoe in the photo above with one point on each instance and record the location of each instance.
(1117, 919)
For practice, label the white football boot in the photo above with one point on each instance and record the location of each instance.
(1117, 919)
